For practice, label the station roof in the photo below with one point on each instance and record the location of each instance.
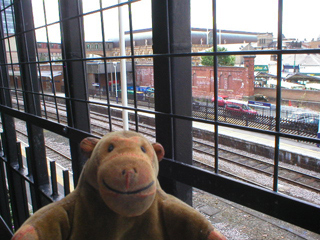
(43, 73)
(304, 77)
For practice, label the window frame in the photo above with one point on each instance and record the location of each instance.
(173, 113)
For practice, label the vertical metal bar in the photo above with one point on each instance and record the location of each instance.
(278, 100)
(123, 68)
(53, 172)
(28, 160)
(6, 232)
(180, 42)
(20, 163)
(171, 34)
(50, 64)
(215, 82)
(133, 69)
(17, 189)
(15, 183)
(41, 85)
(41, 89)
(4, 199)
(162, 84)
(8, 46)
(66, 182)
(40, 82)
(11, 62)
(105, 66)
(27, 56)
(35, 198)
(75, 76)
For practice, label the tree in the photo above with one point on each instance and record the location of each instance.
(225, 60)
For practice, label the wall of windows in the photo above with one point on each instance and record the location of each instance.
(187, 74)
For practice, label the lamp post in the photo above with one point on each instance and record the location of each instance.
(112, 90)
(115, 79)
(123, 69)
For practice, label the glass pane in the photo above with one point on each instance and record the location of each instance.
(99, 78)
(38, 13)
(300, 94)
(90, 5)
(201, 24)
(52, 11)
(295, 26)
(93, 36)
(42, 44)
(54, 36)
(240, 156)
(249, 25)
(142, 31)
(58, 150)
(111, 24)
(299, 170)
(8, 21)
(11, 49)
(108, 3)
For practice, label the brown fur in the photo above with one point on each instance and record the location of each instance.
(118, 198)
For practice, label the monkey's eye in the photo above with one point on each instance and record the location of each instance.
(110, 148)
(143, 149)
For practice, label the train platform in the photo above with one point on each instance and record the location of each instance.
(310, 150)
(289, 145)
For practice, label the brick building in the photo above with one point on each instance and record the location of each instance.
(234, 82)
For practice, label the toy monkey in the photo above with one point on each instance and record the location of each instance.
(118, 197)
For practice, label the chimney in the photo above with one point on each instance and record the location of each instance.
(249, 64)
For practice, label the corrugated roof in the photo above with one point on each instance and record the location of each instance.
(302, 59)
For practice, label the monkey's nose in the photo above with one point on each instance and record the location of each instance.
(129, 175)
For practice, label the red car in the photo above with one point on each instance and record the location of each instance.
(221, 101)
(239, 109)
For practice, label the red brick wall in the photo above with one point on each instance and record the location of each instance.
(144, 75)
(235, 82)
(249, 64)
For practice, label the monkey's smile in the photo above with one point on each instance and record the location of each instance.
(128, 192)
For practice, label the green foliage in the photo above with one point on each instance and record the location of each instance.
(225, 60)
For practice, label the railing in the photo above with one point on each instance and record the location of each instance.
(204, 110)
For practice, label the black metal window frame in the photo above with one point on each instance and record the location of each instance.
(172, 75)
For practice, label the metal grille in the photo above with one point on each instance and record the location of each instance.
(58, 83)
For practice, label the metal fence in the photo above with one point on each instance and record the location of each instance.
(205, 110)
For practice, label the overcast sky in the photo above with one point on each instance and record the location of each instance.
(300, 18)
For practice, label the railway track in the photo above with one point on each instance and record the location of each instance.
(246, 166)
(259, 166)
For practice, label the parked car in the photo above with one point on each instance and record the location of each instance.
(221, 101)
(305, 117)
(150, 96)
(311, 120)
(239, 109)
(195, 106)
(259, 98)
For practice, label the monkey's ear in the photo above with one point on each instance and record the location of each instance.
(87, 145)
(158, 148)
